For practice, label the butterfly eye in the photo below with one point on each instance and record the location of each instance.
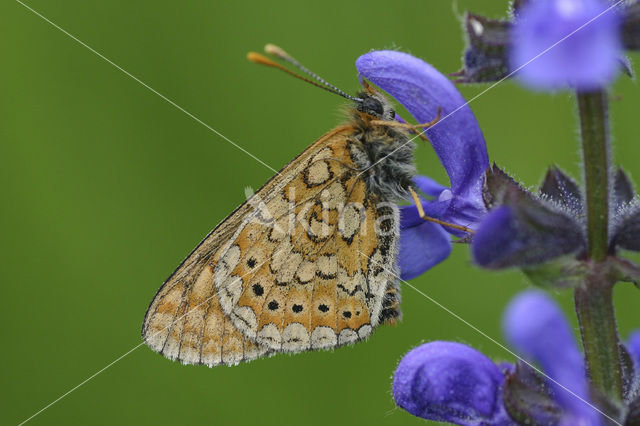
(392, 114)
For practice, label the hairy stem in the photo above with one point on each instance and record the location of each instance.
(594, 305)
(594, 297)
(594, 130)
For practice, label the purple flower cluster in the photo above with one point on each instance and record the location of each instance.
(501, 239)
(452, 382)
(549, 44)
(586, 52)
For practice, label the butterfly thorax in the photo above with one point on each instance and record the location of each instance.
(382, 153)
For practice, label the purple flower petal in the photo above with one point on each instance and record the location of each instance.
(587, 59)
(525, 232)
(633, 346)
(450, 382)
(536, 327)
(464, 211)
(631, 388)
(422, 244)
(428, 185)
(495, 239)
(457, 138)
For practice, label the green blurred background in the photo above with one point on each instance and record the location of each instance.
(106, 187)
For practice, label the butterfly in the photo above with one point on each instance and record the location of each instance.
(307, 262)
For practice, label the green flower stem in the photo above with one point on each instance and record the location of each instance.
(594, 130)
(594, 297)
(594, 305)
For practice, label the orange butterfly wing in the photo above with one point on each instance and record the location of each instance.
(308, 262)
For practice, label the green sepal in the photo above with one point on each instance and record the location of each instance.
(561, 272)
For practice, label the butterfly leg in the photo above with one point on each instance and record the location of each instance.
(391, 313)
(423, 215)
(416, 128)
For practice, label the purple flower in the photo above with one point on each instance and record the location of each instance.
(586, 44)
(451, 382)
(496, 237)
(536, 327)
(456, 139)
(633, 346)
(632, 380)
(523, 230)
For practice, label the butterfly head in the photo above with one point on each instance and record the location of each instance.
(370, 101)
(375, 104)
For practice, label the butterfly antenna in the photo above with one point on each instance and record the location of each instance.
(279, 53)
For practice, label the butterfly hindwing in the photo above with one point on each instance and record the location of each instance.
(188, 324)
